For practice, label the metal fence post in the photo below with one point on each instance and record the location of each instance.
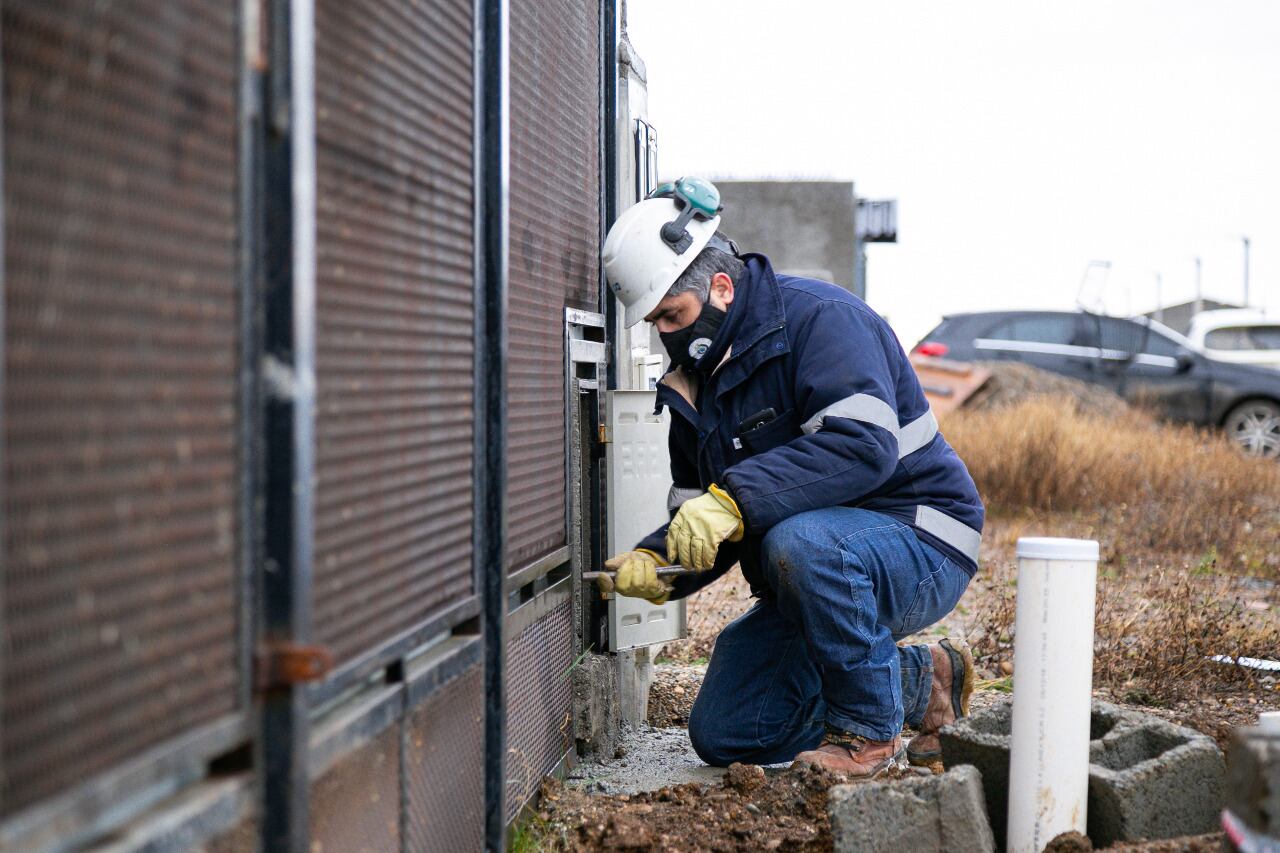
(492, 180)
(288, 381)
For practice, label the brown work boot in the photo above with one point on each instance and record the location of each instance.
(853, 755)
(948, 698)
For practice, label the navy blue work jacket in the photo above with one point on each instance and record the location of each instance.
(812, 403)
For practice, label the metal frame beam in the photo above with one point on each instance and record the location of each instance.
(609, 158)
(364, 715)
(4, 423)
(100, 804)
(288, 378)
(538, 568)
(492, 167)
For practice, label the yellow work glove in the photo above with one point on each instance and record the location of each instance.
(637, 576)
(695, 534)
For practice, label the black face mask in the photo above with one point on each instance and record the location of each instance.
(687, 345)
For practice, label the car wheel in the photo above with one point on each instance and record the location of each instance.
(1255, 426)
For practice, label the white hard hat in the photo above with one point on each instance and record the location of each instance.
(639, 265)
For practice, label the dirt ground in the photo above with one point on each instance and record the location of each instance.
(1148, 601)
(749, 810)
(1012, 382)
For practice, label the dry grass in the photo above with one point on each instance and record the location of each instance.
(1189, 528)
(1160, 486)
(1155, 627)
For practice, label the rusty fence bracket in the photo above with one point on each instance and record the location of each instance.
(286, 664)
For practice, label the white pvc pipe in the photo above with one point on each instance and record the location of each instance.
(1052, 690)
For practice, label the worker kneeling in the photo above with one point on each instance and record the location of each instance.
(802, 448)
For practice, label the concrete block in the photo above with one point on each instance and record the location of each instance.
(930, 814)
(1148, 778)
(982, 740)
(1253, 780)
(597, 723)
(1151, 779)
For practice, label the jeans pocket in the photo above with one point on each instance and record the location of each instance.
(927, 607)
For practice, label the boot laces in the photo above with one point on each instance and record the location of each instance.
(853, 743)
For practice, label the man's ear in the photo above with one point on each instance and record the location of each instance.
(722, 289)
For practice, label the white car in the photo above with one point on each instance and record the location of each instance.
(1240, 335)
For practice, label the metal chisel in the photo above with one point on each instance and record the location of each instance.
(663, 572)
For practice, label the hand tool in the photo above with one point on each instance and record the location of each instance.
(663, 572)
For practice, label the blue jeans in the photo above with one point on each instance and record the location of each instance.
(846, 584)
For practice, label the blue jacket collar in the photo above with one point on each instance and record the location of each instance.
(755, 317)
(758, 334)
(762, 311)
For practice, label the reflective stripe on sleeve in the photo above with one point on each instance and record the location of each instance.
(679, 495)
(859, 407)
(917, 434)
(872, 410)
(955, 533)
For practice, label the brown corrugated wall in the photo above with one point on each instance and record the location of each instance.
(555, 220)
(120, 383)
(395, 316)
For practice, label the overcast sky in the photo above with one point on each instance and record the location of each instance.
(1022, 139)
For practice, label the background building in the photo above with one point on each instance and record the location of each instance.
(805, 227)
(1178, 317)
(812, 228)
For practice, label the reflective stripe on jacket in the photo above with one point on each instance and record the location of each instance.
(850, 425)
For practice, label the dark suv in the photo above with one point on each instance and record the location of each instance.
(1141, 360)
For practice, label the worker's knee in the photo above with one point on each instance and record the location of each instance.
(711, 740)
(791, 538)
(793, 547)
(719, 743)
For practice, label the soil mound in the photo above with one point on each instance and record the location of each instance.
(1013, 382)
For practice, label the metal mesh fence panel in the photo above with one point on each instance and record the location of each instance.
(444, 766)
(395, 316)
(539, 702)
(120, 383)
(555, 220)
(355, 805)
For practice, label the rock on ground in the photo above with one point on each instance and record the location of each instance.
(1069, 842)
(744, 778)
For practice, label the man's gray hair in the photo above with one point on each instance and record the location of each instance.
(697, 277)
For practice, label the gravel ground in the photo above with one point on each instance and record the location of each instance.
(655, 794)
(648, 759)
(671, 696)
